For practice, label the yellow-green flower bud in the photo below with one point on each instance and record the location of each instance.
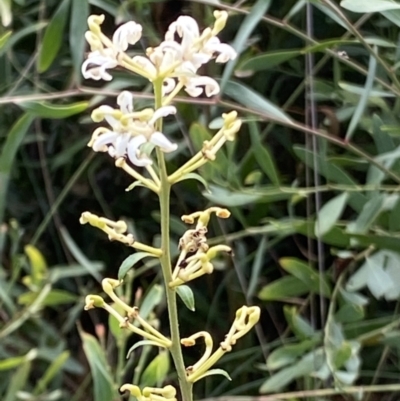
(93, 301)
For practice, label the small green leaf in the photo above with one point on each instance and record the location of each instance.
(141, 344)
(211, 372)
(287, 354)
(11, 363)
(156, 371)
(195, 176)
(130, 261)
(225, 197)
(48, 110)
(307, 275)
(54, 297)
(186, 295)
(299, 326)
(103, 385)
(329, 214)
(283, 288)
(269, 60)
(4, 38)
(38, 265)
(53, 37)
(54, 369)
(78, 26)
(18, 381)
(253, 100)
(370, 6)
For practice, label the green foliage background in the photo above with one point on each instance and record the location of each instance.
(312, 183)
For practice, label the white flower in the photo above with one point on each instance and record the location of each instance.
(130, 130)
(127, 34)
(193, 86)
(97, 64)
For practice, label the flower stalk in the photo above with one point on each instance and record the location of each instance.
(130, 136)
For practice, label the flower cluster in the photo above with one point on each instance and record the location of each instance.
(167, 393)
(175, 61)
(194, 243)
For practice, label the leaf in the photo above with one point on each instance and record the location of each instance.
(103, 385)
(251, 99)
(130, 261)
(362, 103)
(8, 153)
(299, 326)
(251, 20)
(53, 37)
(151, 300)
(225, 197)
(283, 288)
(11, 363)
(288, 354)
(307, 275)
(141, 343)
(18, 381)
(269, 60)
(370, 6)
(211, 372)
(92, 267)
(262, 154)
(4, 38)
(186, 295)
(53, 298)
(156, 371)
(54, 369)
(308, 364)
(78, 26)
(38, 265)
(256, 268)
(48, 110)
(329, 214)
(197, 177)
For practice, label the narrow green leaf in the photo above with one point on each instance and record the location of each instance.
(356, 117)
(269, 60)
(186, 295)
(257, 266)
(156, 371)
(48, 110)
(11, 363)
(368, 215)
(251, 20)
(226, 197)
(18, 381)
(299, 326)
(77, 28)
(4, 38)
(283, 288)
(251, 99)
(329, 214)
(130, 261)
(197, 177)
(8, 153)
(287, 354)
(262, 154)
(141, 343)
(307, 275)
(212, 372)
(371, 6)
(54, 297)
(53, 37)
(103, 385)
(54, 369)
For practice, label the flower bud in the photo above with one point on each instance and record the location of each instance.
(93, 301)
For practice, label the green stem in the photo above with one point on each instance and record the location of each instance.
(165, 260)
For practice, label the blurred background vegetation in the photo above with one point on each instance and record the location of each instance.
(312, 183)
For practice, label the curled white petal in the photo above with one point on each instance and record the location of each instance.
(125, 102)
(127, 34)
(160, 140)
(194, 86)
(168, 86)
(162, 112)
(96, 66)
(100, 144)
(133, 151)
(106, 112)
(226, 53)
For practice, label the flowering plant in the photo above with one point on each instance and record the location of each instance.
(170, 67)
